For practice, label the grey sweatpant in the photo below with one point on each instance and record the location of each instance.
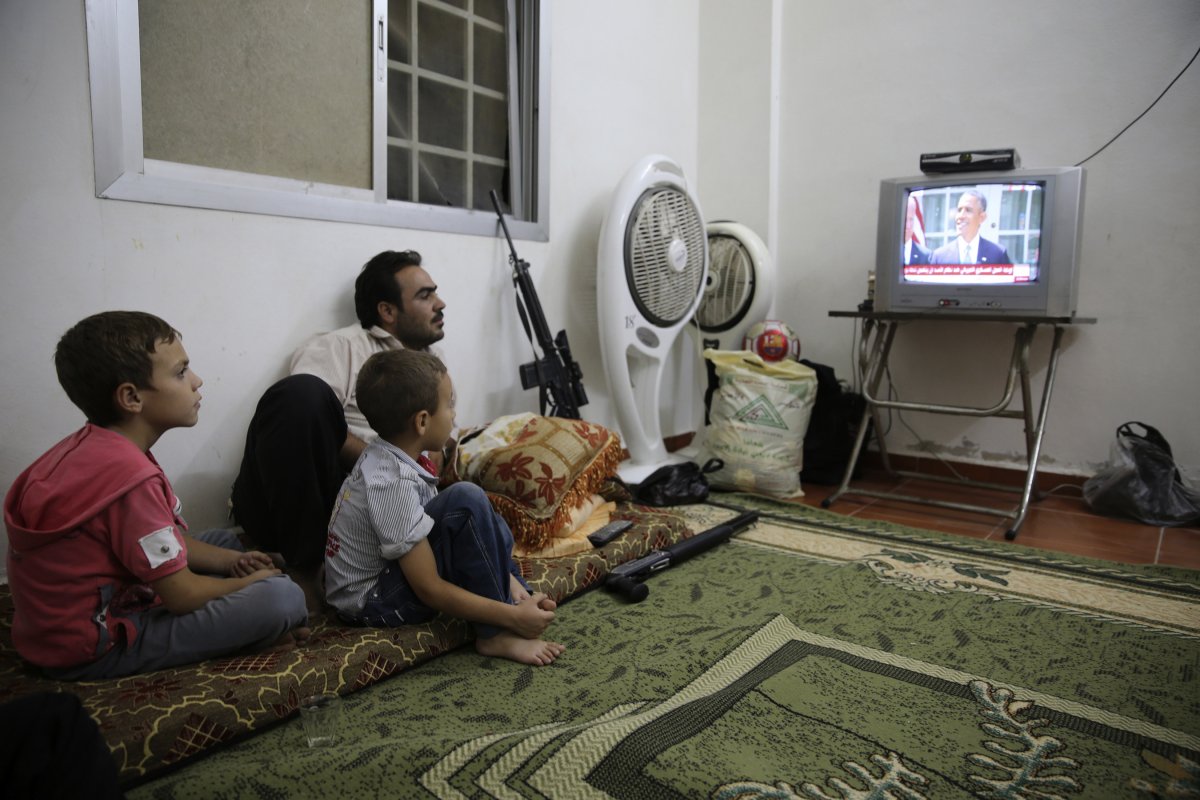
(248, 619)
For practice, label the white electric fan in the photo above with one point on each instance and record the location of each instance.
(653, 259)
(739, 288)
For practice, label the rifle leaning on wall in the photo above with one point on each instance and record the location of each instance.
(556, 374)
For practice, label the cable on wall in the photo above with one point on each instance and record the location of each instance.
(1144, 113)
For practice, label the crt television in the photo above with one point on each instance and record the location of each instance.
(1021, 229)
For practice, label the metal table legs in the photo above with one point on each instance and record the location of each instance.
(874, 349)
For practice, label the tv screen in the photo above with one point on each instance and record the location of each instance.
(973, 233)
(1002, 242)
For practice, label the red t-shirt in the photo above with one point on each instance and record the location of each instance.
(90, 524)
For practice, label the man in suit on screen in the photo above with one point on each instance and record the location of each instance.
(970, 247)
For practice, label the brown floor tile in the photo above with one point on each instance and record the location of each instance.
(945, 520)
(1180, 548)
(815, 494)
(1060, 521)
(1090, 535)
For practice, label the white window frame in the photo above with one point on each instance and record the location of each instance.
(123, 172)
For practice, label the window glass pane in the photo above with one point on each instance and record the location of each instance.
(490, 10)
(1012, 209)
(399, 111)
(486, 178)
(441, 42)
(441, 115)
(1035, 211)
(491, 67)
(399, 173)
(252, 86)
(443, 181)
(934, 208)
(491, 127)
(399, 48)
(456, 3)
(1015, 245)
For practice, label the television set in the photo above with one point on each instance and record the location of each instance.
(989, 242)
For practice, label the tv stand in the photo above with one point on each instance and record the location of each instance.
(879, 332)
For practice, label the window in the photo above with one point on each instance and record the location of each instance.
(449, 109)
(386, 112)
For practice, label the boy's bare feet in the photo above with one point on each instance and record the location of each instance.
(525, 651)
(521, 594)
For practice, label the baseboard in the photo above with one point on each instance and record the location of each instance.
(926, 465)
(678, 441)
(987, 473)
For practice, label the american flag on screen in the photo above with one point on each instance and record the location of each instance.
(918, 222)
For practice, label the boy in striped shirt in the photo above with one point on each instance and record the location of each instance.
(398, 551)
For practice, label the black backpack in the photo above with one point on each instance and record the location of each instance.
(830, 437)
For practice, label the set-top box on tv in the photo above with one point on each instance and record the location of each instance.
(970, 161)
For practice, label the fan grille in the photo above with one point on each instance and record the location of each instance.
(730, 285)
(665, 251)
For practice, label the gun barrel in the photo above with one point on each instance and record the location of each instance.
(709, 538)
(626, 579)
(503, 224)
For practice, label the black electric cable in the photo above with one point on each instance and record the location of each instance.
(1144, 113)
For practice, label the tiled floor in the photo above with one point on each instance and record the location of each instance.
(1060, 521)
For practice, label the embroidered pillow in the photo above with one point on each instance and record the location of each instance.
(547, 468)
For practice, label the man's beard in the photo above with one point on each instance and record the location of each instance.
(420, 337)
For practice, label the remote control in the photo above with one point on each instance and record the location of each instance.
(612, 530)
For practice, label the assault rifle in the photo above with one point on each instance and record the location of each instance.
(627, 578)
(556, 374)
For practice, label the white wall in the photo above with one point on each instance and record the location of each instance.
(857, 103)
(246, 289)
(868, 85)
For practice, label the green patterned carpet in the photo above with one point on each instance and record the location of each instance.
(814, 656)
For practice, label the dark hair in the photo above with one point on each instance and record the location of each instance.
(103, 351)
(377, 283)
(394, 385)
(978, 196)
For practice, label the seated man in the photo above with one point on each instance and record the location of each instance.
(104, 581)
(399, 552)
(308, 431)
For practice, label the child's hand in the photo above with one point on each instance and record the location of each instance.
(531, 617)
(261, 574)
(250, 562)
(518, 591)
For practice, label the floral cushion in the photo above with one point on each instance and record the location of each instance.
(540, 471)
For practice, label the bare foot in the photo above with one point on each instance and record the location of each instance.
(526, 651)
(546, 604)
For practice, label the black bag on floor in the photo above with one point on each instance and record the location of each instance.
(676, 484)
(1142, 482)
(831, 429)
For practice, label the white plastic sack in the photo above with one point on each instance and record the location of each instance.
(757, 422)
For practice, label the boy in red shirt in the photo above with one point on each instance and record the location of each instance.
(104, 580)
